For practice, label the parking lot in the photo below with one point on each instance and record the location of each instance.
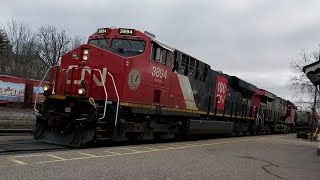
(258, 157)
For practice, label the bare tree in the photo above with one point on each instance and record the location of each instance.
(299, 83)
(29, 53)
(4, 52)
(23, 43)
(53, 43)
(77, 40)
(4, 42)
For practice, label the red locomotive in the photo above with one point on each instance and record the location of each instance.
(125, 84)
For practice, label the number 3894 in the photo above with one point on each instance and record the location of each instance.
(159, 73)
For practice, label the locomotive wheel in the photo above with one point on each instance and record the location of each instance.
(253, 132)
(234, 133)
(240, 133)
(268, 132)
(246, 133)
(146, 135)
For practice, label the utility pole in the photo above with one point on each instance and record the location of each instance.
(314, 119)
(314, 111)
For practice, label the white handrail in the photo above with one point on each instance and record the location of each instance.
(104, 88)
(118, 99)
(36, 99)
(105, 92)
(259, 117)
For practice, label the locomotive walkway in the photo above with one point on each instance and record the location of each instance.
(255, 157)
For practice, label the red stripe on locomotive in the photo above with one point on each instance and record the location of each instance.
(221, 92)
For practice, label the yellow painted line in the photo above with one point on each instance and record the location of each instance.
(123, 104)
(31, 155)
(143, 147)
(188, 144)
(187, 110)
(128, 149)
(146, 106)
(86, 154)
(164, 148)
(176, 109)
(56, 97)
(56, 157)
(111, 152)
(126, 104)
(133, 104)
(218, 114)
(17, 161)
(72, 159)
(200, 145)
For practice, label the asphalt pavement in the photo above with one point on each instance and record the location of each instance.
(254, 157)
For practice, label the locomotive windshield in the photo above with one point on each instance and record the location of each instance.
(127, 47)
(102, 43)
(123, 47)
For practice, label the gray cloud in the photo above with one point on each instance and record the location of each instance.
(253, 39)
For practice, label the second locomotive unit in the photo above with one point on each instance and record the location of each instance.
(125, 84)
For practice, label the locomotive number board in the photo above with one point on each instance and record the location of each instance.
(102, 30)
(125, 31)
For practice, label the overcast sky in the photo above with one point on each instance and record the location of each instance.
(252, 39)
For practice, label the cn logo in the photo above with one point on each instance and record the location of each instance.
(221, 92)
(87, 70)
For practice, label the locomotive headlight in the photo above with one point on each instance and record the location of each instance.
(86, 51)
(85, 57)
(85, 54)
(81, 91)
(46, 88)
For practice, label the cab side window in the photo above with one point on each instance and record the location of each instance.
(161, 55)
(169, 58)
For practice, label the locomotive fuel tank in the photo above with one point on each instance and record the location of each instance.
(198, 127)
